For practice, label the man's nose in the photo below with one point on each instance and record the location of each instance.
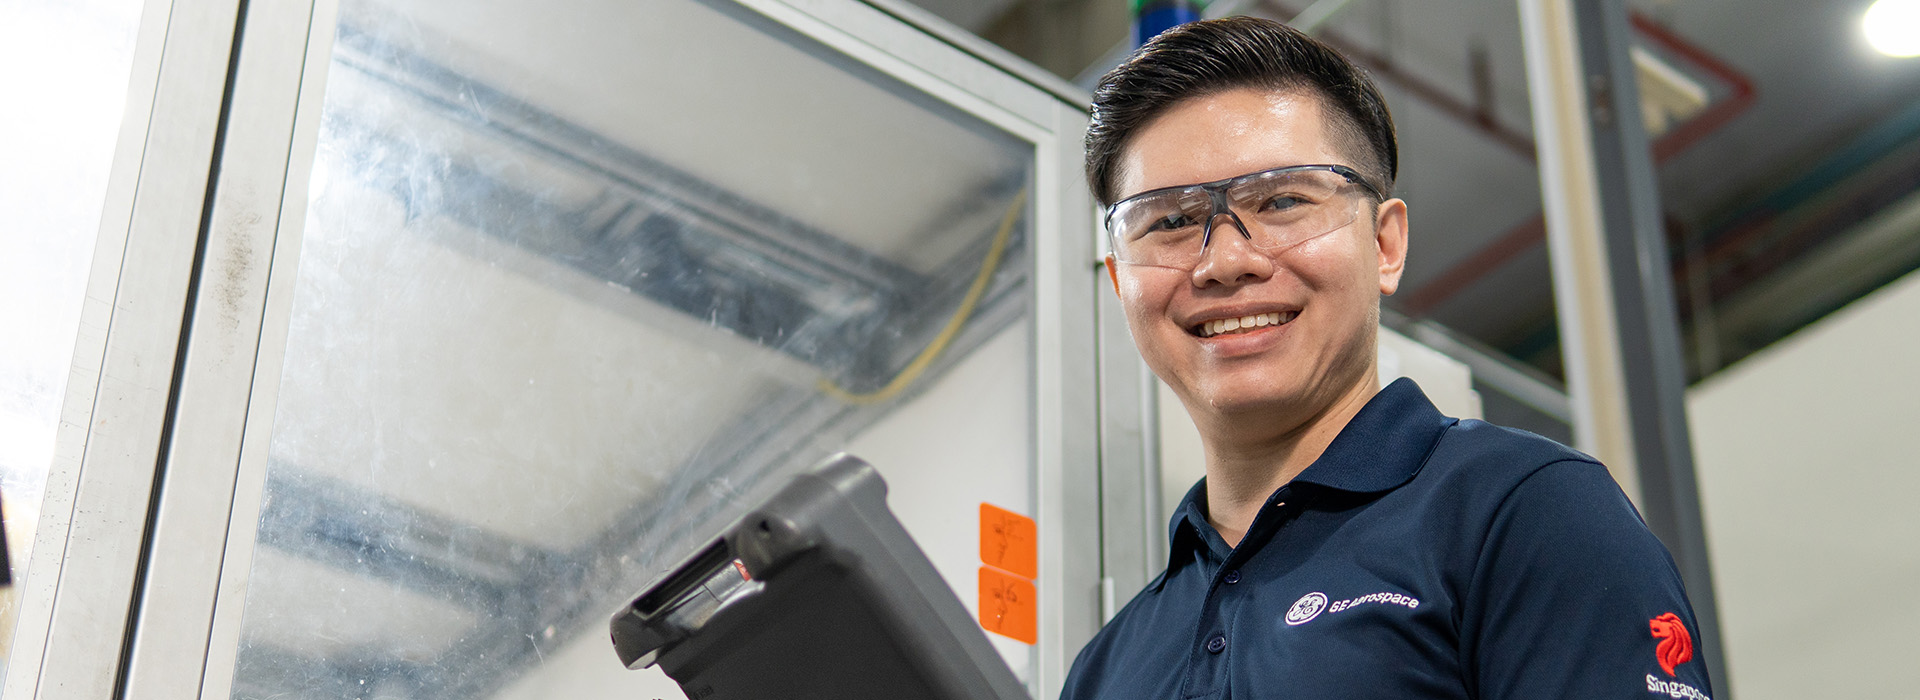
(1229, 256)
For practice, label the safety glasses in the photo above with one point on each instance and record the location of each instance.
(1172, 226)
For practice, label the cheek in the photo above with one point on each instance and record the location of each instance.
(1145, 292)
(1339, 262)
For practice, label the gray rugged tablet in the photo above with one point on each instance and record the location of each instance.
(818, 593)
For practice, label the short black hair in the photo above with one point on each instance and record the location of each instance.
(1214, 56)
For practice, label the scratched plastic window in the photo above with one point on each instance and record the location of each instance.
(578, 282)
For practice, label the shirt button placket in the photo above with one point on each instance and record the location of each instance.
(1207, 667)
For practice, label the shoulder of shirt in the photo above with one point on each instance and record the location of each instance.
(1492, 452)
(1484, 467)
(1125, 622)
(1127, 612)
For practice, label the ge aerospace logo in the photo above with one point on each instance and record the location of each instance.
(1675, 648)
(1306, 608)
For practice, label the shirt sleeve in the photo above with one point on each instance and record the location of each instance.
(1572, 597)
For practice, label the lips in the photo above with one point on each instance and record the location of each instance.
(1231, 325)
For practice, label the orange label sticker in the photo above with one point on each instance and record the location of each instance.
(1009, 541)
(1009, 605)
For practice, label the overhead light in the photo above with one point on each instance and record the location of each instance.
(1893, 27)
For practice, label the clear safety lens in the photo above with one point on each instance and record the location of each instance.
(1273, 210)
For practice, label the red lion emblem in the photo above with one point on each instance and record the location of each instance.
(1676, 646)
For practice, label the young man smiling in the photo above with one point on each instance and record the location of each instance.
(1348, 541)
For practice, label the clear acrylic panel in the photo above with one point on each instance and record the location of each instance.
(581, 280)
(63, 69)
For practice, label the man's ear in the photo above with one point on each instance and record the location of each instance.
(1113, 274)
(1390, 235)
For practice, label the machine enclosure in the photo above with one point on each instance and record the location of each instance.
(835, 601)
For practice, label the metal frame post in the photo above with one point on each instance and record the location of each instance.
(1613, 293)
(187, 545)
(1131, 547)
(122, 402)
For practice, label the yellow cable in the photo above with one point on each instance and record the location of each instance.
(940, 342)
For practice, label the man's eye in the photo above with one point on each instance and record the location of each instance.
(1284, 202)
(1170, 222)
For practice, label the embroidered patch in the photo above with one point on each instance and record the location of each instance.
(1676, 646)
(1306, 608)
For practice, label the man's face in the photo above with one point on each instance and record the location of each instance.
(1329, 287)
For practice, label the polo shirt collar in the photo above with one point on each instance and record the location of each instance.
(1384, 445)
(1381, 448)
(1190, 522)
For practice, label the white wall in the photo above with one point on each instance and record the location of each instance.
(1807, 486)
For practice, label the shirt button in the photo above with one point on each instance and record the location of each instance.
(1217, 644)
(1233, 577)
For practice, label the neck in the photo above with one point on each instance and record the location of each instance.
(1251, 455)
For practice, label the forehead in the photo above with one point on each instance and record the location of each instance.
(1218, 136)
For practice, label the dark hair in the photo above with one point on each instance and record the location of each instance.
(1205, 58)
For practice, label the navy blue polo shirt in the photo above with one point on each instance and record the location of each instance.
(1420, 557)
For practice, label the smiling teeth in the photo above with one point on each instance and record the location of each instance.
(1244, 323)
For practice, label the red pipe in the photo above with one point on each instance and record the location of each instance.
(1716, 115)
(1463, 274)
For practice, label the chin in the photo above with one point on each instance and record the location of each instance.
(1242, 398)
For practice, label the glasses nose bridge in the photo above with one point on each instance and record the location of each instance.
(1217, 194)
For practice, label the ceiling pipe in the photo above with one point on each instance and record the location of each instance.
(1714, 116)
